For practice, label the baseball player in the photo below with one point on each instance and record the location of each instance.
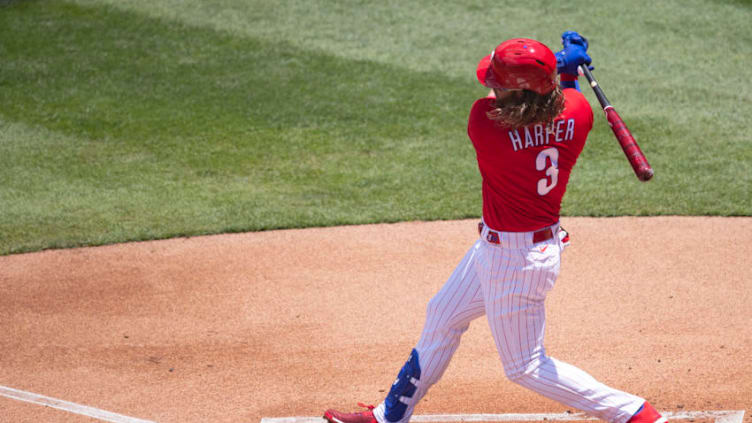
(527, 134)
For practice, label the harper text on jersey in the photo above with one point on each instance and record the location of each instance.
(535, 135)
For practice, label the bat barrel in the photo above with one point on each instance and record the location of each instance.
(629, 145)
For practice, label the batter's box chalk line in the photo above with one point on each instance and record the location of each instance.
(719, 416)
(71, 407)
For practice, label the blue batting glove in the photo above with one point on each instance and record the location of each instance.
(571, 37)
(570, 58)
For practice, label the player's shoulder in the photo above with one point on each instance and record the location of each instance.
(478, 113)
(576, 104)
(573, 96)
(483, 104)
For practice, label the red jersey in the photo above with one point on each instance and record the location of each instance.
(525, 170)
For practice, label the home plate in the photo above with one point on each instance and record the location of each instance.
(718, 416)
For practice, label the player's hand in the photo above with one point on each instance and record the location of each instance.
(573, 54)
(571, 37)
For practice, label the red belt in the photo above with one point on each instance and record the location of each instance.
(538, 236)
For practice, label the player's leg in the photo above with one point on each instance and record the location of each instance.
(515, 286)
(448, 316)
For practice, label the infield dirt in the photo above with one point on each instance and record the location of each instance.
(233, 328)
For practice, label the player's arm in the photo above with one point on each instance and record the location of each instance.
(570, 57)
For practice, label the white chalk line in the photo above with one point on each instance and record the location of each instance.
(720, 416)
(68, 406)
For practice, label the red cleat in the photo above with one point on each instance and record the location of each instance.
(334, 416)
(647, 414)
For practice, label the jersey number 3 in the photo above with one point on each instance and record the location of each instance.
(544, 185)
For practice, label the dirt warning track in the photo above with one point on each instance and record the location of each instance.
(236, 328)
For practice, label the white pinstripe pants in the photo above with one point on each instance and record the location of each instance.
(508, 282)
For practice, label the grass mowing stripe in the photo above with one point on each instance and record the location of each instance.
(449, 37)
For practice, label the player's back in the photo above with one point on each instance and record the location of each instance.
(526, 170)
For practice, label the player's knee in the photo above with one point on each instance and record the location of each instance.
(514, 375)
(523, 372)
(433, 307)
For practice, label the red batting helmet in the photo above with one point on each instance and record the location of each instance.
(519, 64)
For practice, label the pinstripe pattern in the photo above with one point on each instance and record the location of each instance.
(448, 316)
(508, 282)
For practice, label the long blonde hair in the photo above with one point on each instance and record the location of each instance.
(526, 107)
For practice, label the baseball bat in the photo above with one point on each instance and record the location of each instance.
(628, 144)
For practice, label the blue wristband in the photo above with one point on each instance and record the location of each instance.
(570, 84)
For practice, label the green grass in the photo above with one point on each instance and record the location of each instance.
(150, 119)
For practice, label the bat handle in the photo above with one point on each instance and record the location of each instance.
(596, 88)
